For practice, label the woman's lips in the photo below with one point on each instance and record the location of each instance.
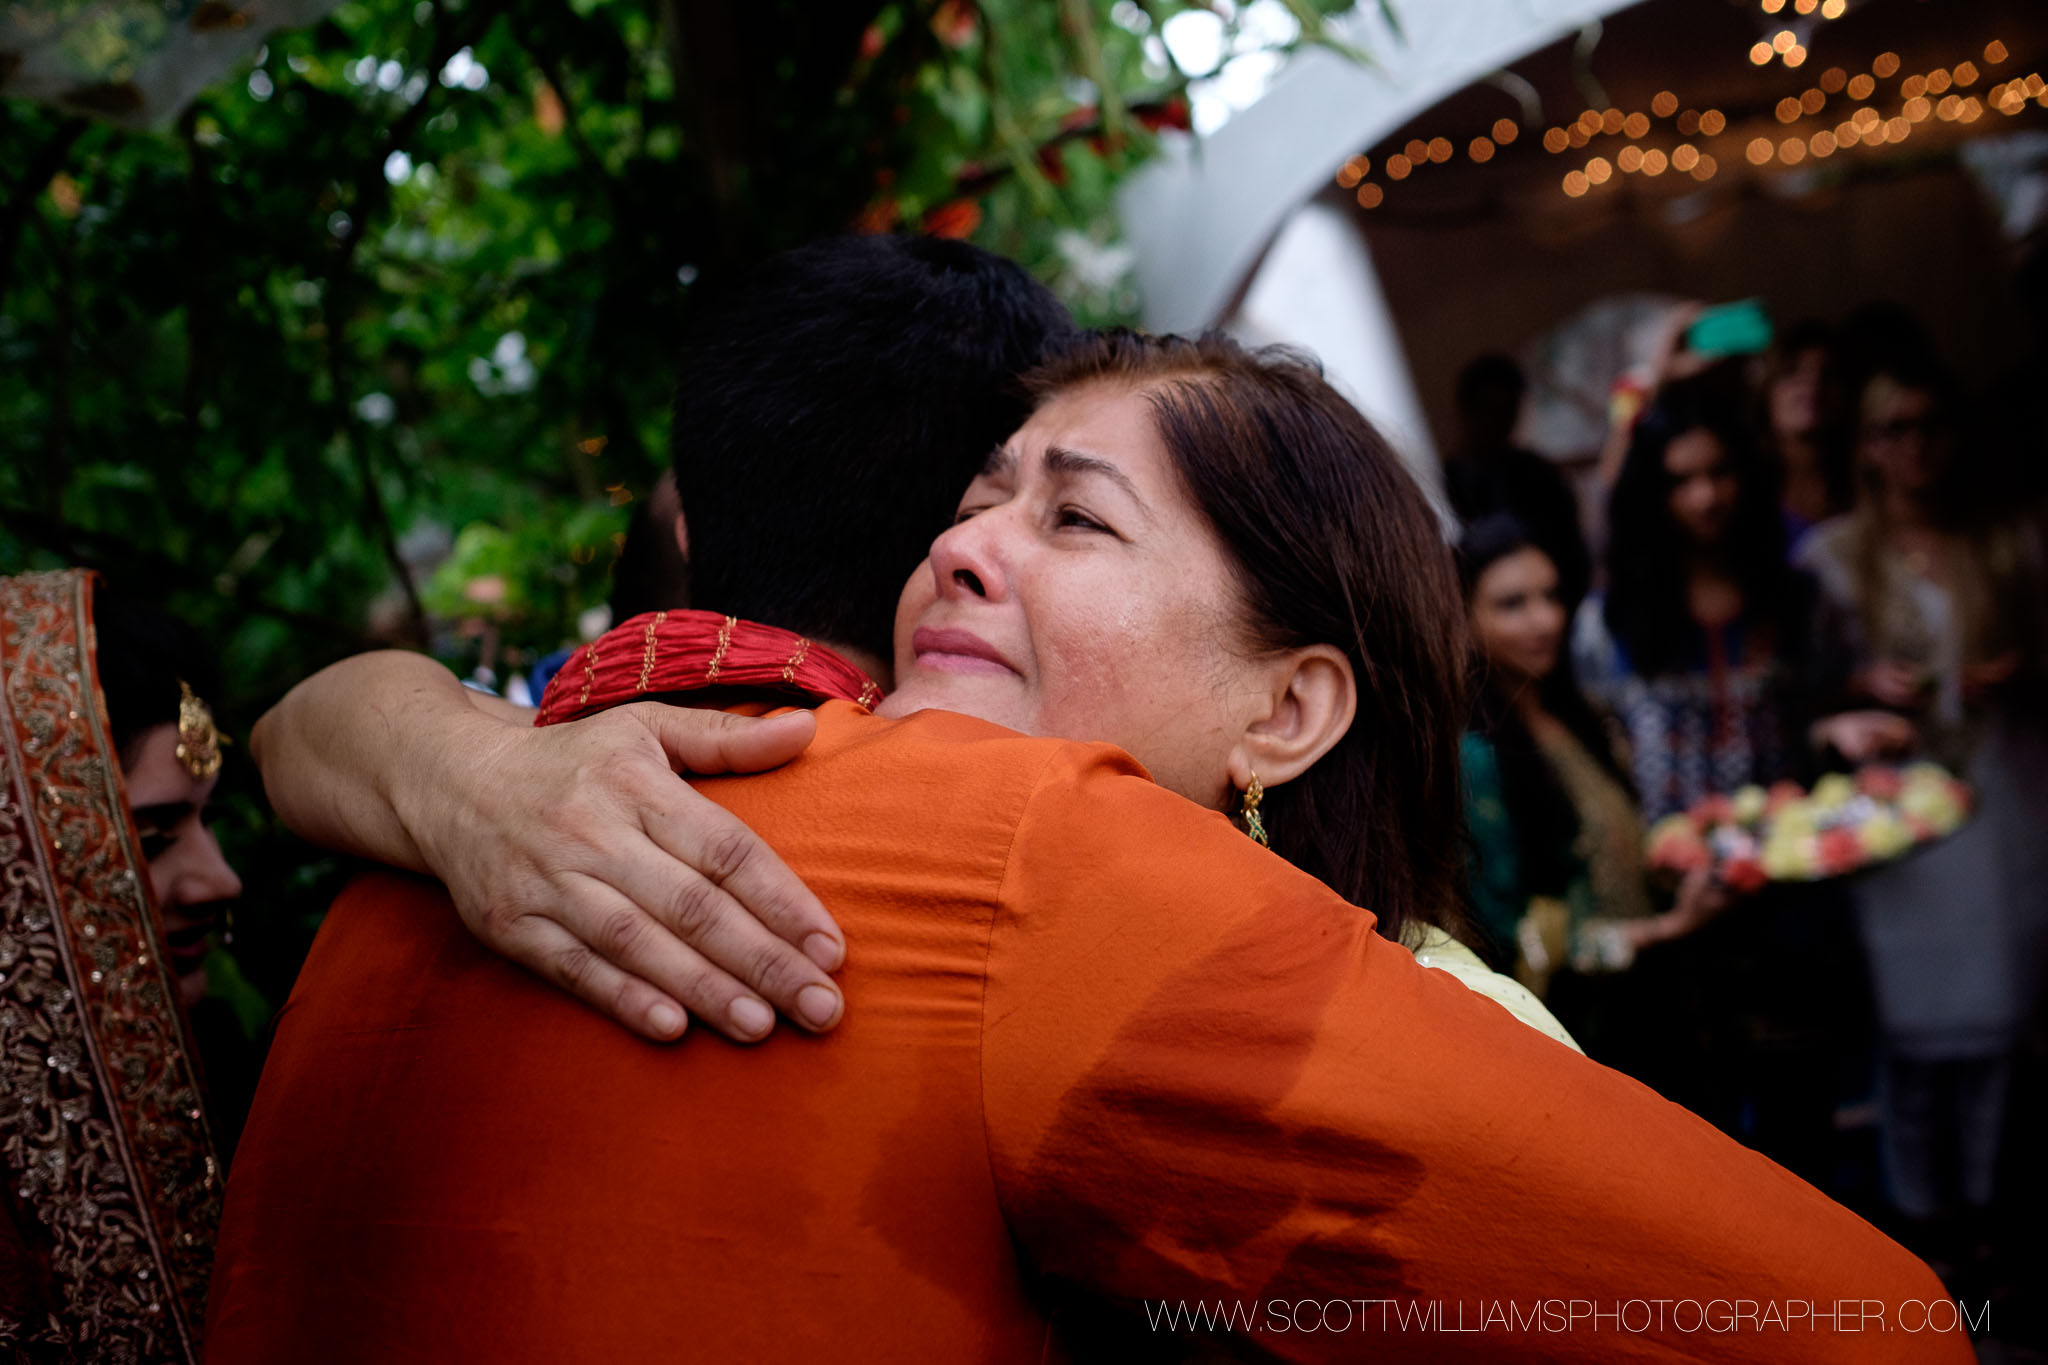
(186, 941)
(957, 651)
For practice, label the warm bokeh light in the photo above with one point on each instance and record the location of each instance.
(1773, 6)
(1948, 108)
(1505, 130)
(1685, 157)
(1821, 143)
(1895, 129)
(1783, 41)
(1886, 65)
(1846, 135)
(1805, 6)
(1792, 151)
(1555, 140)
(1398, 166)
(1833, 9)
(1655, 162)
(1598, 171)
(1664, 104)
(1611, 121)
(1994, 52)
(1833, 79)
(1918, 109)
(1705, 170)
(1576, 136)
(1371, 196)
(1966, 75)
(1712, 122)
(1788, 110)
(1440, 149)
(1812, 101)
(1630, 159)
(1859, 87)
(1866, 118)
(1575, 183)
(1761, 53)
(1417, 151)
(1688, 123)
(1636, 125)
(1353, 171)
(1481, 149)
(1796, 57)
(1759, 151)
(1938, 80)
(1912, 87)
(1971, 111)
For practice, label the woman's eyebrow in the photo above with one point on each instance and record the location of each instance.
(1060, 460)
(163, 814)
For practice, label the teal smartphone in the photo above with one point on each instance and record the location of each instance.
(1741, 328)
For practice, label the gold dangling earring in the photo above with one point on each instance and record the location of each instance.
(1254, 824)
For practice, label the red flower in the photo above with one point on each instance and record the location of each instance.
(955, 218)
(1839, 850)
(1743, 874)
(1172, 113)
(877, 217)
(955, 24)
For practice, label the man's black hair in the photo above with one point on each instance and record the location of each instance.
(830, 412)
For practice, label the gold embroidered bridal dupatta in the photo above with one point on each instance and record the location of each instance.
(110, 1167)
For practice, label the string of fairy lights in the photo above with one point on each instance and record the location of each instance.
(1817, 123)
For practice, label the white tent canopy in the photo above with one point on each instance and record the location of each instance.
(1204, 215)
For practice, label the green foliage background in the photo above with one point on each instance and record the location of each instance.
(373, 345)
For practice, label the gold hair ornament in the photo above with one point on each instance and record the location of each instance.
(1254, 824)
(199, 741)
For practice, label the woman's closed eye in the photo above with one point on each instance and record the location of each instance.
(1075, 518)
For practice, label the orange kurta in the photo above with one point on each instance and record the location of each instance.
(1093, 1032)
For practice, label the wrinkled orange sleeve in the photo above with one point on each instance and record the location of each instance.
(1357, 1156)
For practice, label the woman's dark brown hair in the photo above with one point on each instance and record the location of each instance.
(1333, 543)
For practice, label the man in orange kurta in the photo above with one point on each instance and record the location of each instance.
(1096, 1040)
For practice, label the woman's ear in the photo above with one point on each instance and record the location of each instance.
(1313, 698)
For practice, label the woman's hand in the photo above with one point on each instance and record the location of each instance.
(575, 850)
(1701, 900)
(1891, 683)
(1866, 736)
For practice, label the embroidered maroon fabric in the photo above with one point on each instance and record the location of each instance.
(104, 1145)
(687, 651)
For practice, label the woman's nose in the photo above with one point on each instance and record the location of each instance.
(967, 559)
(205, 876)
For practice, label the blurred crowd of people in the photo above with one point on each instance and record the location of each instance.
(1820, 555)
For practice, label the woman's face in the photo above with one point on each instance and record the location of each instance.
(1517, 619)
(1704, 486)
(1794, 397)
(1904, 439)
(186, 871)
(1081, 595)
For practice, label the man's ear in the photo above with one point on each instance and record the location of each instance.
(1312, 698)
